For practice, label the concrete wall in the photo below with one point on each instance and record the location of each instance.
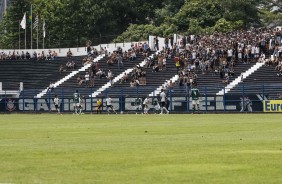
(79, 51)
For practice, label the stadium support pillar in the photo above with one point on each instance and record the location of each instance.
(1, 86)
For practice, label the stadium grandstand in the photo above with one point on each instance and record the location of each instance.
(224, 67)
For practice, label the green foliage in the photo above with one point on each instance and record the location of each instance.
(142, 32)
(194, 27)
(71, 22)
(9, 27)
(241, 10)
(206, 13)
(223, 25)
(269, 16)
(137, 32)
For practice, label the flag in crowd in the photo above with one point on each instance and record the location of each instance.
(35, 24)
(23, 22)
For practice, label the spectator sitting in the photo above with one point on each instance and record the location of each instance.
(100, 74)
(231, 72)
(80, 80)
(280, 73)
(125, 56)
(148, 62)
(132, 56)
(34, 55)
(87, 79)
(27, 55)
(216, 71)
(49, 55)
(132, 83)
(43, 57)
(22, 55)
(72, 64)
(143, 81)
(171, 86)
(226, 78)
(124, 78)
(110, 75)
(279, 66)
(110, 62)
(69, 65)
(18, 56)
(137, 82)
(155, 68)
(54, 55)
(181, 80)
(86, 61)
(38, 56)
(61, 69)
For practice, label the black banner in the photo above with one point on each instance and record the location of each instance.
(9, 105)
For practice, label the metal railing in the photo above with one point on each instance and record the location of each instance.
(123, 99)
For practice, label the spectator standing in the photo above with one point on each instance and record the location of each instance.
(69, 54)
(156, 43)
(120, 62)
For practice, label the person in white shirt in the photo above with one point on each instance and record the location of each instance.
(146, 104)
(257, 50)
(57, 103)
(110, 76)
(229, 55)
(163, 101)
(253, 52)
(164, 63)
(109, 105)
(80, 107)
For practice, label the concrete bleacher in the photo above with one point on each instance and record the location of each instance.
(153, 80)
(210, 83)
(33, 74)
(71, 85)
(263, 81)
(36, 75)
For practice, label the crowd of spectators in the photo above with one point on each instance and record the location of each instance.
(16, 55)
(219, 53)
(116, 59)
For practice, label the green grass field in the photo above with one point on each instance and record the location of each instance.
(134, 149)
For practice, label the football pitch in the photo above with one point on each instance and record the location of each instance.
(135, 149)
